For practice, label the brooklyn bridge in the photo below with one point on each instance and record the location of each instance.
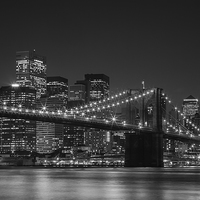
(147, 123)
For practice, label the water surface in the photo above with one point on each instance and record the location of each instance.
(100, 183)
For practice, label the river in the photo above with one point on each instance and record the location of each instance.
(99, 183)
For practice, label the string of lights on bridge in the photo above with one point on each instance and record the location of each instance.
(101, 102)
(96, 106)
(102, 105)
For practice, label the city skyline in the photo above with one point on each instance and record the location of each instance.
(101, 101)
(157, 43)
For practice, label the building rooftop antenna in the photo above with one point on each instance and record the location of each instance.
(143, 86)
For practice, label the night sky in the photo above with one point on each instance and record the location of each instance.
(158, 41)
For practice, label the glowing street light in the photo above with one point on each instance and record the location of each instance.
(114, 119)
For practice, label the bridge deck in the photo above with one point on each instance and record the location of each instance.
(72, 120)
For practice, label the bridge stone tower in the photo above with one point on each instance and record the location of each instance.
(144, 148)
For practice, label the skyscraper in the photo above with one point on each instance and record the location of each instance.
(74, 135)
(17, 134)
(190, 106)
(31, 71)
(98, 140)
(57, 86)
(50, 135)
(76, 95)
(97, 86)
(190, 112)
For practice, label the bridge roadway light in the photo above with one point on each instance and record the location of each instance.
(113, 119)
(15, 85)
(82, 114)
(124, 123)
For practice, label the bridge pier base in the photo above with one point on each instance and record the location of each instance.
(144, 149)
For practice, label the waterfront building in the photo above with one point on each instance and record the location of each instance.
(96, 87)
(17, 134)
(118, 140)
(99, 141)
(31, 71)
(50, 135)
(74, 135)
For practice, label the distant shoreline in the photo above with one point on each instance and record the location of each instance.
(56, 167)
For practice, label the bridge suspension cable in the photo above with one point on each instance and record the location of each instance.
(180, 115)
(102, 105)
(176, 123)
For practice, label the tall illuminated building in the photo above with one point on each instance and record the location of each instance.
(190, 112)
(50, 135)
(31, 71)
(99, 86)
(17, 134)
(190, 106)
(99, 141)
(76, 95)
(74, 135)
(96, 86)
(57, 86)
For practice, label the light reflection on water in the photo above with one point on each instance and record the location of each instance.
(100, 183)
